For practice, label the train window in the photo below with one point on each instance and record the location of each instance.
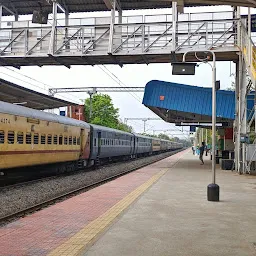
(65, 140)
(20, 137)
(78, 141)
(60, 140)
(1, 137)
(94, 143)
(10, 137)
(74, 140)
(70, 140)
(49, 139)
(55, 139)
(43, 139)
(28, 138)
(36, 138)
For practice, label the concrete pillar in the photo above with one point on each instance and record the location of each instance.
(120, 17)
(112, 23)
(174, 24)
(243, 102)
(237, 117)
(66, 29)
(1, 14)
(54, 23)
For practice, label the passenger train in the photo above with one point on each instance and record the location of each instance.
(32, 138)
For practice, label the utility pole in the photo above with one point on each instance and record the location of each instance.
(142, 119)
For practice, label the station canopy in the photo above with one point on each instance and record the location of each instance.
(20, 7)
(13, 93)
(186, 104)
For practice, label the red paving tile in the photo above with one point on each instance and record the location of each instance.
(41, 232)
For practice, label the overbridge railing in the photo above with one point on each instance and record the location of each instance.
(123, 39)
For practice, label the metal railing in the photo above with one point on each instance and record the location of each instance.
(128, 38)
(84, 21)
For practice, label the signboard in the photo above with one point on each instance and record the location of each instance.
(62, 113)
(253, 21)
(192, 128)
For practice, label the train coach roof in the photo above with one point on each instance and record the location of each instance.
(12, 109)
(144, 136)
(107, 129)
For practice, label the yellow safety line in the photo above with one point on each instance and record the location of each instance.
(78, 243)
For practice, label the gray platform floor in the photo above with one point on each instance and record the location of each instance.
(174, 217)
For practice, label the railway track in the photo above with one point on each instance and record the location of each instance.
(24, 183)
(71, 193)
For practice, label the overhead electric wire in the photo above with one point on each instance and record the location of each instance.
(118, 81)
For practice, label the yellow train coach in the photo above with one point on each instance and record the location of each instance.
(30, 137)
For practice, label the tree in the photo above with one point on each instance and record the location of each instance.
(124, 127)
(104, 113)
(164, 137)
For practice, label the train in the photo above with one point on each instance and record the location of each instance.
(33, 138)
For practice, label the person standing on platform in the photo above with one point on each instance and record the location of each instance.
(193, 149)
(201, 152)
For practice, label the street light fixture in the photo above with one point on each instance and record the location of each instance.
(213, 188)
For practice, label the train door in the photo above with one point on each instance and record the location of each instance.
(82, 142)
(131, 145)
(136, 144)
(85, 144)
(99, 143)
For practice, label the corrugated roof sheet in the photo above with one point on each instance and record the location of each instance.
(28, 6)
(189, 99)
(14, 93)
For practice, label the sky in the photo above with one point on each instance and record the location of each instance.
(40, 79)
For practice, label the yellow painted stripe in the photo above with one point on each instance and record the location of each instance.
(81, 240)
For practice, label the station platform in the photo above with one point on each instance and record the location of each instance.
(161, 209)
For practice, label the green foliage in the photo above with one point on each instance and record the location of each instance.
(124, 127)
(104, 113)
(164, 137)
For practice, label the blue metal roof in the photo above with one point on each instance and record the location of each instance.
(189, 99)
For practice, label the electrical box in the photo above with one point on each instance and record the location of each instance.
(244, 138)
(217, 85)
(183, 68)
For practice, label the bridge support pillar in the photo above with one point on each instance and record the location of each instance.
(54, 23)
(243, 102)
(1, 14)
(66, 29)
(241, 115)
(174, 24)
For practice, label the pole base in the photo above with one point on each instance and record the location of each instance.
(213, 192)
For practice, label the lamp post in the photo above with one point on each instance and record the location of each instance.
(213, 188)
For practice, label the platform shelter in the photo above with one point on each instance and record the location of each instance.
(192, 106)
(14, 93)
